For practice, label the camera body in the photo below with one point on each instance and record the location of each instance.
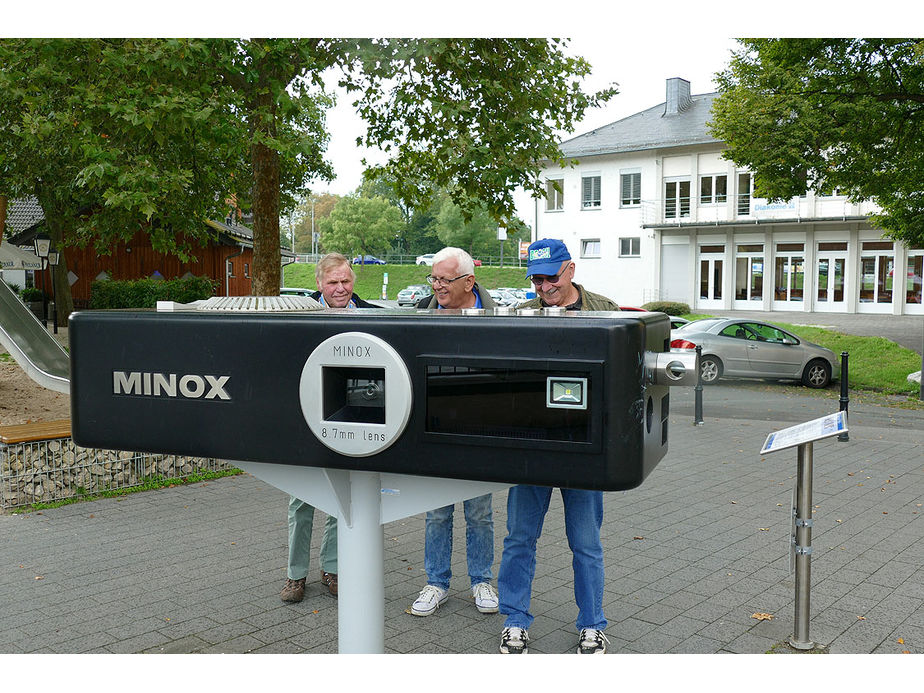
(551, 398)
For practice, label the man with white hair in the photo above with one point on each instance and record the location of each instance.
(453, 280)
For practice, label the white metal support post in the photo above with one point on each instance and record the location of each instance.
(363, 502)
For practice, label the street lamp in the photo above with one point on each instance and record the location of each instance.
(53, 258)
(42, 245)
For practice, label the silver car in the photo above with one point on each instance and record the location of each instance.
(410, 295)
(745, 348)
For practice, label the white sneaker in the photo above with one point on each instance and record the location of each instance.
(485, 598)
(429, 600)
(592, 641)
(514, 641)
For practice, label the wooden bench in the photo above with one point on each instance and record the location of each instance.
(31, 432)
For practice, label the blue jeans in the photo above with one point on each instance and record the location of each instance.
(479, 542)
(526, 509)
(301, 520)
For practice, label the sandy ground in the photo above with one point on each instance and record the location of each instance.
(22, 400)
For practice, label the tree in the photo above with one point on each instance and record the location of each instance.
(115, 137)
(473, 235)
(315, 205)
(830, 114)
(361, 226)
(476, 117)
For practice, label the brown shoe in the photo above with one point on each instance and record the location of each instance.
(294, 591)
(330, 579)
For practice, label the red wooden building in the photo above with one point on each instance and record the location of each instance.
(228, 259)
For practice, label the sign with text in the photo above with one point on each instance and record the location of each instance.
(800, 434)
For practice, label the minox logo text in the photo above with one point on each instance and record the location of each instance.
(170, 385)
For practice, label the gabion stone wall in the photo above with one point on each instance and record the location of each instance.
(52, 470)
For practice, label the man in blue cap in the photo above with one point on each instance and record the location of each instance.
(551, 271)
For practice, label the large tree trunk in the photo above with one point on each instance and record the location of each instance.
(58, 224)
(266, 250)
(265, 161)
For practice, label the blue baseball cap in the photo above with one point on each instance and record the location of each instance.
(545, 257)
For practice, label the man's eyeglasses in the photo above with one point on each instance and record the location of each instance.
(540, 279)
(431, 280)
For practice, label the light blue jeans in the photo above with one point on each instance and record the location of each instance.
(301, 520)
(479, 542)
(526, 509)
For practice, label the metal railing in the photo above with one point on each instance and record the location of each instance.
(744, 208)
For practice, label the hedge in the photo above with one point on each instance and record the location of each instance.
(145, 293)
(669, 307)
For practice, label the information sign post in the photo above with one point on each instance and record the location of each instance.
(801, 437)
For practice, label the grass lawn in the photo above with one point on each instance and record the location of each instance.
(370, 278)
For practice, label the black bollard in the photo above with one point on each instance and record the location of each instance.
(698, 390)
(845, 400)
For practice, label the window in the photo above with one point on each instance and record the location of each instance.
(590, 192)
(590, 247)
(744, 194)
(630, 186)
(630, 247)
(676, 199)
(713, 189)
(230, 268)
(247, 269)
(555, 195)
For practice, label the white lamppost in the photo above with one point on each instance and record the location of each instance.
(53, 258)
(42, 245)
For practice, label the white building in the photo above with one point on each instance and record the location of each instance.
(652, 211)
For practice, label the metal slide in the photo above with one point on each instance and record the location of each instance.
(35, 350)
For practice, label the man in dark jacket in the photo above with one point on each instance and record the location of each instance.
(453, 280)
(335, 279)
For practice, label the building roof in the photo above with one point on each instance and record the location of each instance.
(653, 128)
(23, 213)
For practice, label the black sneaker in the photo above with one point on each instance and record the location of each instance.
(514, 641)
(592, 641)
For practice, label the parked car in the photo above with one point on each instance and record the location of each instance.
(295, 291)
(410, 295)
(519, 294)
(503, 298)
(367, 260)
(425, 259)
(677, 321)
(744, 348)
(477, 262)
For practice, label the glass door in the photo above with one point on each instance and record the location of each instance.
(914, 285)
(877, 266)
(749, 276)
(789, 276)
(711, 267)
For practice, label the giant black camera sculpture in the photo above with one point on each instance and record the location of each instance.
(546, 397)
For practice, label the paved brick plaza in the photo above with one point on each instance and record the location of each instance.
(691, 555)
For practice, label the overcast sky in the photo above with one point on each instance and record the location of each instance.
(638, 65)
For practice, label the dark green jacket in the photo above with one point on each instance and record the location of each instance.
(589, 301)
(486, 300)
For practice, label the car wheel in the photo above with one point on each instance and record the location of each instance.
(710, 368)
(817, 374)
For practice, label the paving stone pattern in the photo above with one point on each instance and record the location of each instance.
(691, 556)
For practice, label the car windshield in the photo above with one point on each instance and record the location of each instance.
(700, 325)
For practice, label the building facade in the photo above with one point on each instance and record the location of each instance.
(653, 211)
